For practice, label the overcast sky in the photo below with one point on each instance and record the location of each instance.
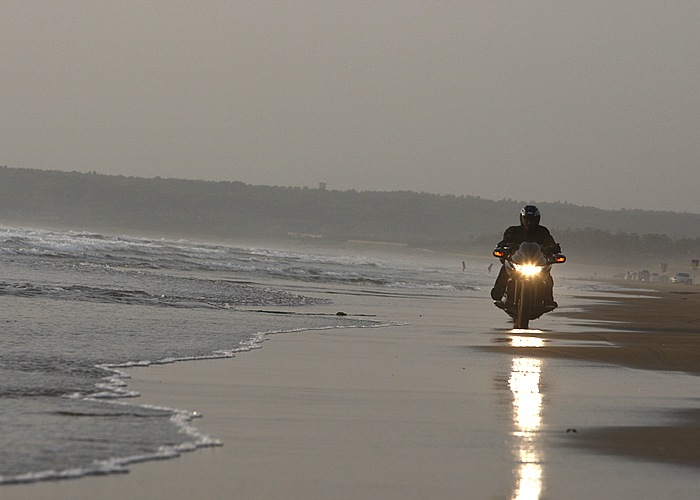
(590, 102)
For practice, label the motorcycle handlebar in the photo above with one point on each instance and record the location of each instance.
(505, 252)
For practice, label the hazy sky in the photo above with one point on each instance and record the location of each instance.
(591, 102)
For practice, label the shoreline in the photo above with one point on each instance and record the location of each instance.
(290, 412)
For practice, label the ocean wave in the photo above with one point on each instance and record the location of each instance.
(236, 295)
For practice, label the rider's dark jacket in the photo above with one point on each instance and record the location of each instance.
(515, 235)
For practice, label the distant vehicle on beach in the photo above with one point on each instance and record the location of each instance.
(682, 278)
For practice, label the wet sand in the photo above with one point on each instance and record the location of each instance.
(649, 326)
(381, 413)
(660, 332)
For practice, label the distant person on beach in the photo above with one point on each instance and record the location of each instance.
(529, 230)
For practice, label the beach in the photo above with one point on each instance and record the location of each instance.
(448, 403)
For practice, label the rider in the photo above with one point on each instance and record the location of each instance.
(531, 231)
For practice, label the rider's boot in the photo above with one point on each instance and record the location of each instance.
(549, 303)
(497, 296)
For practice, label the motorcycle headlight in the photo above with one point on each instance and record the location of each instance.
(528, 269)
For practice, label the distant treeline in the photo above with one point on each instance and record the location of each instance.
(596, 245)
(234, 210)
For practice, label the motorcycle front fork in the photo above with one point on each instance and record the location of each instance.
(513, 292)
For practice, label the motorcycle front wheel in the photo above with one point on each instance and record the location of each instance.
(522, 321)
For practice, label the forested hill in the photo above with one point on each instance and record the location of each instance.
(237, 210)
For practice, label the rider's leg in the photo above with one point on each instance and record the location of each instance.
(499, 287)
(549, 292)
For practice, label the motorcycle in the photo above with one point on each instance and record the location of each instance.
(528, 269)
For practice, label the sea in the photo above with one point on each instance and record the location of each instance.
(78, 308)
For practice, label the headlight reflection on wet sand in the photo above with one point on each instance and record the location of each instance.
(524, 383)
(520, 341)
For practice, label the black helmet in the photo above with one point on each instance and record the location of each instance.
(530, 217)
